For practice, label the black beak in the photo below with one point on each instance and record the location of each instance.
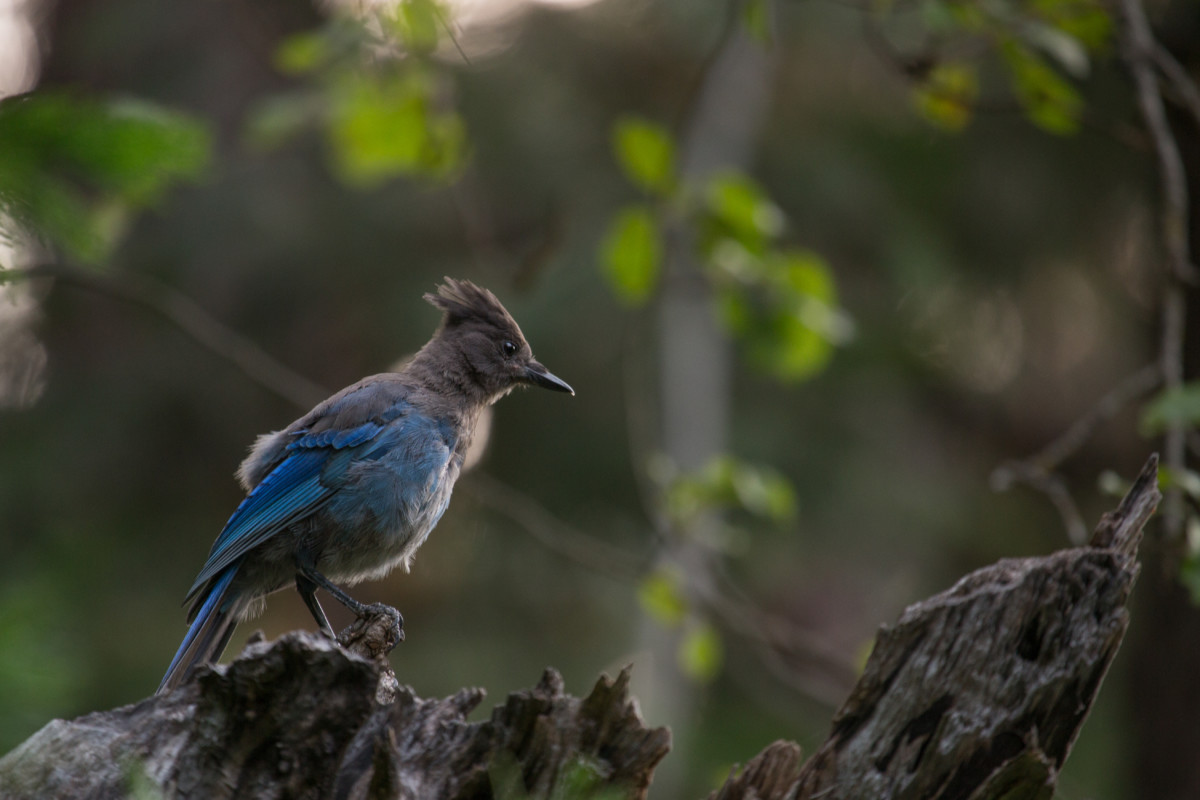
(538, 375)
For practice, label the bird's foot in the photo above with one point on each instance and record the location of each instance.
(373, 635)
(376, 632)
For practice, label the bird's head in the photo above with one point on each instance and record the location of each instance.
(478, 332)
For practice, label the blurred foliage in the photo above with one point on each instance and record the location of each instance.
(632, 254)
(947, 95)
(727, 484)
(74, 167)
(701, 651)
(661, 595)
(375, 91)
(646, 154)
(781, 304)
(1176, 406)
(1028, 36)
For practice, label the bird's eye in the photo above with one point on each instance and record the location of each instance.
(509, 348)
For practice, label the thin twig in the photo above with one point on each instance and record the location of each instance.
(1049, 484)
(1139, 55)
(1133, 387)
(1187, 93)
(185, 314)
(1038, 470)
(553, 533)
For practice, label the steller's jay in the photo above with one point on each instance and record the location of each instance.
(351, 489)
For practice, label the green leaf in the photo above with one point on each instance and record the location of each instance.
(788, 317)
(764, 492)
(631, 254)
(1087, 21)
(1176, 406)
(661, 596)
(727, 483)
(646, 154)
(742, 210)
(73, 168)
(947, 95)
(701, 652)
(387, 127)
(1049, 100)
(419, 24)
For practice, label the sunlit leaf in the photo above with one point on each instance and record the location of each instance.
(701, 652)
(798, 351)
(1087, 21)
(419, 24)
(764, 492)
(947, 95)
(1048, 99)
(631, 254)
(73, 168)
(726, 483)
(743, 208)
(383, 128)
(646, 154)
(787, 317)
(1176, 406)
(660, 595)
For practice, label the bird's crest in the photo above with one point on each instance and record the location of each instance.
(462, 301)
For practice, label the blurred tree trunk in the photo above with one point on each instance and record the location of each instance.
(721, 131)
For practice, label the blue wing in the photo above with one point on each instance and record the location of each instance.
(303, 482)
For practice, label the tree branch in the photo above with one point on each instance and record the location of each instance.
(1141, 52)
(185, 314)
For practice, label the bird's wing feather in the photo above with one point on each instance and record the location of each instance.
(299, 485)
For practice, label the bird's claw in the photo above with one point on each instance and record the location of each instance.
(375, 633)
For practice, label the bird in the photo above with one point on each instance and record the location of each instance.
(350, 490)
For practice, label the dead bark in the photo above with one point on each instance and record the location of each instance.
(978, 692)
(975, 693)
(300, 718)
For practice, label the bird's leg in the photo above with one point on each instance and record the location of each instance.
(317, 580)
(378, 628)
(308, 593)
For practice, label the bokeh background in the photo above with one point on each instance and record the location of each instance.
(995, 277)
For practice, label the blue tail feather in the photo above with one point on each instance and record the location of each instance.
(208, 634)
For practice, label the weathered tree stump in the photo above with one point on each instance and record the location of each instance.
(980, 691)
(299, 718)
(976, 693)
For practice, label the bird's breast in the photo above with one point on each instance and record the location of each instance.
(386, 508)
